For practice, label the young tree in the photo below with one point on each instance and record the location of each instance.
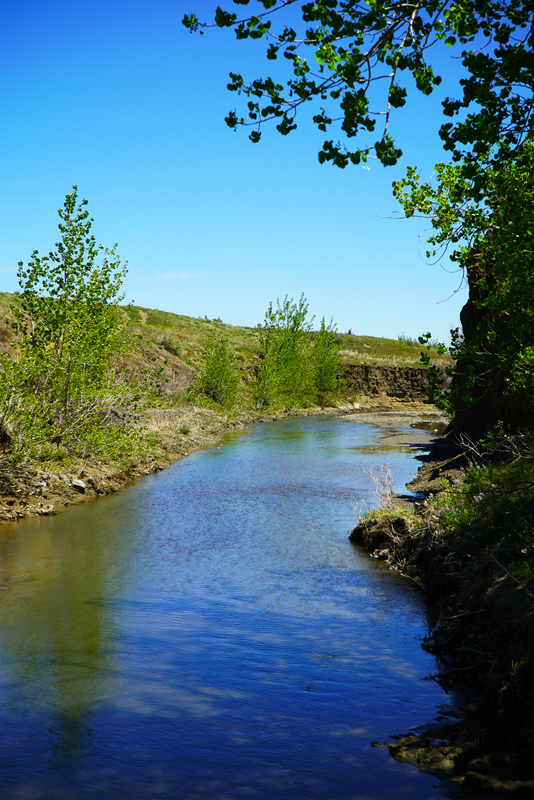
(59, 384)
(219, 376)
(284, 374)
(326, 364)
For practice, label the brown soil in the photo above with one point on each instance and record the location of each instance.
(401, 382)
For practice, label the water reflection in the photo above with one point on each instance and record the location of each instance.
(212, 633)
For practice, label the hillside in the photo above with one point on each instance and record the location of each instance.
(176, 340)
(179, 339)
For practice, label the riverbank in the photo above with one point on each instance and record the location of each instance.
(177, 432)
(482, 634)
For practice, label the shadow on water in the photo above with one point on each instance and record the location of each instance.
(211, 633)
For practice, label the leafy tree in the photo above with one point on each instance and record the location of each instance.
(344, 55)
(296, 366)
(219, 376)
(61, 384)
(494, 244)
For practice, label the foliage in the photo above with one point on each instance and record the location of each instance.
(61, 384)
(284, 373)
(435, 379)
(340, 53)
(489, 508)
(296, 366)
(326, 363)
(494, 244)
(219, 376)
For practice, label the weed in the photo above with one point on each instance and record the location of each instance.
(219, 377)
(381, 498)
(407, 339)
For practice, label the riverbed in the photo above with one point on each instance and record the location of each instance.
(210, 632)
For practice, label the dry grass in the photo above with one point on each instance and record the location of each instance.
(380, 498)
(179, 338)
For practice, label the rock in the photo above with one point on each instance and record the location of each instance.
(46, 511)
(78, 485)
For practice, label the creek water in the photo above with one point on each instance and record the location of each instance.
(210, 632)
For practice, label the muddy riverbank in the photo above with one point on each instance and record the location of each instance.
(179, 431)
(483, 634)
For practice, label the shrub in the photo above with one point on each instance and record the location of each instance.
(326, 364)
(284, 373)
(219, 377)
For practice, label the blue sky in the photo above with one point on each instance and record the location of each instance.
(118, 98)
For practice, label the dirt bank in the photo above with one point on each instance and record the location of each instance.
(484, 637)
(403, 383)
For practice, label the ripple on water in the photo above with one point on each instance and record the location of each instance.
(211, 633)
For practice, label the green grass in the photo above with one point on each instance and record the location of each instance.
(185, 335)
(191, 332)
(380, 351)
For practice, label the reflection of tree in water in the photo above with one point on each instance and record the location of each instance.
(70, 738)
(59, 635)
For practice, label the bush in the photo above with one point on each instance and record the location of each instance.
(296, 367)
(488, 503)
(326, 364)
(218, 378)
(284, 373)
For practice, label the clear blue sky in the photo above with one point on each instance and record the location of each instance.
(120, 99)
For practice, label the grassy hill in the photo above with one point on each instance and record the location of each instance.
(179, 337)
(171, 345)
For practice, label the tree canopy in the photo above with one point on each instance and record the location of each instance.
(351, 60)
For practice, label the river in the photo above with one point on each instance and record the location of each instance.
(210, 633)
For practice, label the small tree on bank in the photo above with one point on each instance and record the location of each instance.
(326, 363)
(293, 372)
(60, 385)
(283, 377)
(219, 376)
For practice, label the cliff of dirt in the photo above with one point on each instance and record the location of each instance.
(403, 383)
